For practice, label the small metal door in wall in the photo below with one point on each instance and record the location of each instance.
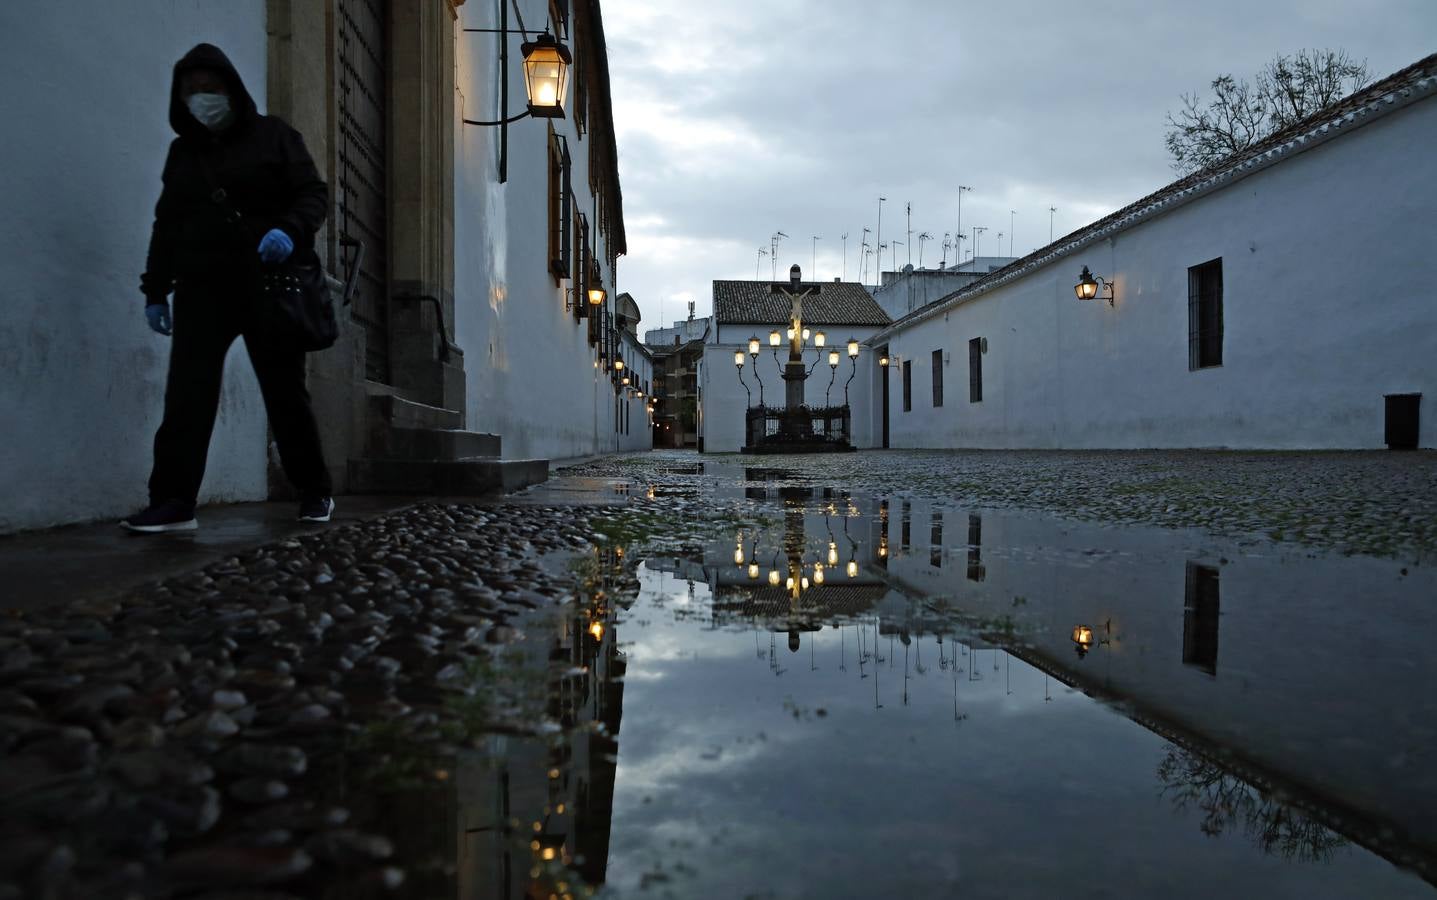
(363, 30)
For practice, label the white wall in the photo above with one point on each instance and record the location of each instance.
(529, 367)
(723, 401)
(1327, 305)
(638, 433)
(85, 105)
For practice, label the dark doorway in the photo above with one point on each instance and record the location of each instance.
(1200, 612)
(1401, 426)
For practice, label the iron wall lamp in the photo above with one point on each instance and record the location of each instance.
(546, 76)
(1087, 287)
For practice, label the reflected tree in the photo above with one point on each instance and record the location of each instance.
(1227, 802)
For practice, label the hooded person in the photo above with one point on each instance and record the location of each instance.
(239, 192)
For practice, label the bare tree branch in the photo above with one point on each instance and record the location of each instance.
(1239, 113)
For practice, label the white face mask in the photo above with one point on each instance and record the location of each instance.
(211, 110)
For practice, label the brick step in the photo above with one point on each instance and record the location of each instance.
(461, 478)
(402, 413)
(443, 444)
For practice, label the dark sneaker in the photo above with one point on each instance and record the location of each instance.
(171, 515)
(316, 509)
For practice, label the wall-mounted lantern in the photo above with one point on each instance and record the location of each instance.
(546, 76)
(883, 360)
(619, 364)
(1087, 287)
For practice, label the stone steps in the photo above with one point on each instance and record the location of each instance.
(411, 448)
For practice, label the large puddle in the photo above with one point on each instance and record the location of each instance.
(891, 698)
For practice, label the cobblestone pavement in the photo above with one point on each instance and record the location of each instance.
(188, 738)
(1383, 504)
(185, 738)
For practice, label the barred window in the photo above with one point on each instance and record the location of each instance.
(1205, 315)
(975, 370)
(560, 209)
(937, 378)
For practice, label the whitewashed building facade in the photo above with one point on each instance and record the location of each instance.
(1282, 299)
(470, 356)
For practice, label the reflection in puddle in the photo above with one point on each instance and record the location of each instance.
(797, 709)
(899, 727)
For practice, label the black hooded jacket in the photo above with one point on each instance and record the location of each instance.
(265, 171)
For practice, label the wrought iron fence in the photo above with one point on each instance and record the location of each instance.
(774, 427)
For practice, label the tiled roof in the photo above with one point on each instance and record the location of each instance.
(833, 303)
(1416, 82)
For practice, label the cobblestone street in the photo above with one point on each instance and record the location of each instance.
(1383, 504)
(278, 722)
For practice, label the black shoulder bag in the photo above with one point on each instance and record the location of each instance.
(295, 308)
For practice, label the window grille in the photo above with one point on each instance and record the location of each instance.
(975, 370)
(1205, 315)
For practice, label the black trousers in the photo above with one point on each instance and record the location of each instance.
(207, 319)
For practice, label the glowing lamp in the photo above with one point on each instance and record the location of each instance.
(753, 345)
(546, 75)
(774, 338)
(833, 358)
(852, 348)
(738, 358)
(1082, 639)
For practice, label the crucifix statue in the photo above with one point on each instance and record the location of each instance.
(795, 373)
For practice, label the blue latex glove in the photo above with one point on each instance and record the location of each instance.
(275, 246)
(158, 315)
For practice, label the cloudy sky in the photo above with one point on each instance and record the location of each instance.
(739, 118)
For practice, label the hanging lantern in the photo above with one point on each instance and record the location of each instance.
(832, 553)
(773, 577)
(753, 571)
(853, 568)
(546, 75)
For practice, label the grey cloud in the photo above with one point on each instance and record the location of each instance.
(1035, 104)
